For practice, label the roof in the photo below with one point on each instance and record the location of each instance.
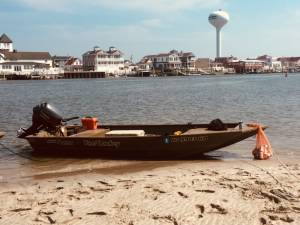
(61, 58)
(145, 60)
(5, 39)
(27, 55)
(290, 59)
(71, 61)
(160, 55)
(251, 61)
(101, 52)
(22, 63)
(186, 54)
(173, 52)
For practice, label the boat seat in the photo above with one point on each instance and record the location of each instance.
(120, 133)
(91, 133)
(196, 131)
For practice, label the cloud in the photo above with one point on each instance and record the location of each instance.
(160, 6)
(152, 23)
(47, 5)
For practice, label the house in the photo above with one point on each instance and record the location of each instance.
(110, 62)
(130, 68)
(145, 67)
(272, 64)
(187, 60)
(203, 64)
(291, 64)
(6, 43)
(247, 66)
(146, 64)
(166, 61)
(22, 63)
(73, 65)
(60, 61)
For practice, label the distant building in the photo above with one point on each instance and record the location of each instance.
(110, 62)
(166, 61)
(130, 68)
(22, 63)
(73, 65)
(203, 64)
(146, 64)
(272, 64)
(60, 61)
(187, 60)
(291, 64)
(247, 66)
(6, 43)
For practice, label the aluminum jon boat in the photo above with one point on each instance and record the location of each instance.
(50, 134)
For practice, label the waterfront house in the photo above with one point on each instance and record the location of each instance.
(247, 66)
(203, 65)
(188, 60)
(166, 61)
(6, 43)
(130, 68)
(22, 63)
(60, 61)
(146, 64)
(73, 65)
(291, 64)
(110, 62)
(272, 64)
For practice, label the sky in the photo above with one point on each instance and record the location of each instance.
(142, 27)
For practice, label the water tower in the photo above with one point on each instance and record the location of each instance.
(218, 19)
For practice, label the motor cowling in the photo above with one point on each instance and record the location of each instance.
(45, 116)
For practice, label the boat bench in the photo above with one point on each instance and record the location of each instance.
(91, 133)
(125, 133)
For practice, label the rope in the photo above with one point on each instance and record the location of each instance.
(264, 170)
(284, 165)
(19, 154)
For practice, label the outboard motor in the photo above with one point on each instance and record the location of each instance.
(44, 117)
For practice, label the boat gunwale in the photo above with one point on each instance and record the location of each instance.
(233, 130)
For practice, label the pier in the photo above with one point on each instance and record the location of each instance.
(83, 74)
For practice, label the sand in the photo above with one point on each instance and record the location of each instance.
(183, 192)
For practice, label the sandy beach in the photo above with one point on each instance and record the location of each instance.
(177, 192)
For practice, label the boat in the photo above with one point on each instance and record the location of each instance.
(2, 134)
(50, 134)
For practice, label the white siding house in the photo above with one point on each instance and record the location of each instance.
(6, 43)
(22, 63)
(110, 62)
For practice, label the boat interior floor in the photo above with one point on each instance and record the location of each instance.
(102, 132)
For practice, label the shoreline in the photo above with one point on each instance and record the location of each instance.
(227, 192)
(70, 77)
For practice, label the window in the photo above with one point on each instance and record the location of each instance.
(18, 68)
(6, 67)
(28, 67)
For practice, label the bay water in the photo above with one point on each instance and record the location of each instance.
(270, 99)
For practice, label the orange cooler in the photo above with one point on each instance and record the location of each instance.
(89, 123)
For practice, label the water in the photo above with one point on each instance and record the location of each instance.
(269, 99)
